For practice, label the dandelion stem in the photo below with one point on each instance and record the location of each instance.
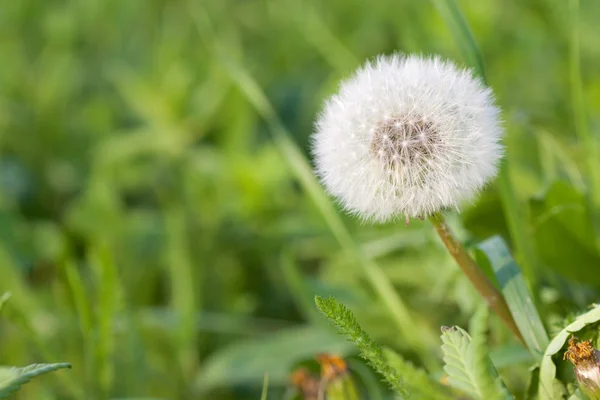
(467, 264)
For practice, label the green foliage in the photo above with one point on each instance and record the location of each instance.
(549, 386)
(265, 389)
(467, 363)
(155, 161)
(275, 354)
(12, 378)
(342, 388)
(346, 323)
(418, 383)
(4, 298)
(517, 295)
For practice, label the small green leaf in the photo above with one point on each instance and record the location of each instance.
(466, 361)
(12, 378)
(550, 387)
(517, 295)
(343, 318)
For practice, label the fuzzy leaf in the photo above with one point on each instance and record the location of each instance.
(416, 380)
(466, 362)
(12, 378)
(344, 320)
(550, 387)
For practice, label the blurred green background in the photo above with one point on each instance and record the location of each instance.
(159, 231)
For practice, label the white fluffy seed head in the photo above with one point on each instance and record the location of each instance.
(407, 136)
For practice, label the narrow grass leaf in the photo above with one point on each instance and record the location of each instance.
(11, 379)
(4, 298)
(265, 388)
(517, 295)
(109, 298)
(550, 387)
(80, 298)
(299, 289)
(179, 269)
(344, 320)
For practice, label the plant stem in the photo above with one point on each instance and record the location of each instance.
(486, 289)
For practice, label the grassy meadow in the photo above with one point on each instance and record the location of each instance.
(161, 228)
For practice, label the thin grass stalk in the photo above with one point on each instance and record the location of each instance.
(475, 274)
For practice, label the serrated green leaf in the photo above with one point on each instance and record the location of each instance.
(419, 384)
(550, 387)
(343, 318)
(466, 361)
(517, 295)
(12, 378)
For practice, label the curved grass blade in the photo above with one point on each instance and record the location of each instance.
(517, 295)
(265, 388)
(4, 298)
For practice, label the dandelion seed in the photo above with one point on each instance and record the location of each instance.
(428, 138)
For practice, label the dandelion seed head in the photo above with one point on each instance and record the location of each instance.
(420, 133)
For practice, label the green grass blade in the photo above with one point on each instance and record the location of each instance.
(456, 22)
(517, 295)
(514, 211)
(587, 141)
(265, 388)
(80, 299)
(182, 294)
(4, 298)
(11, 379)
(108, 303)
(299, 289)
(550, 387)
(344, 320)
